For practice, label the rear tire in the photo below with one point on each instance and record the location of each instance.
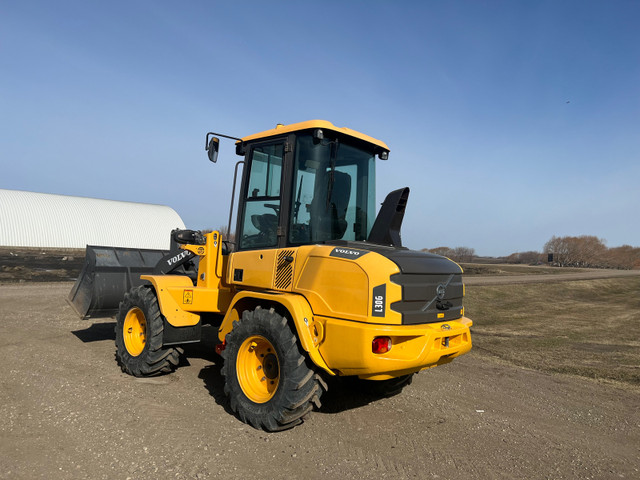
(267, 379)
(139, 328)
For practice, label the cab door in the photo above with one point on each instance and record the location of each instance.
(263, 215)
(261, 202)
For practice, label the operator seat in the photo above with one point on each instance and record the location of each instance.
(267, 225)
(328, 217)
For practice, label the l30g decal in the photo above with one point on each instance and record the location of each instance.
(379, 301)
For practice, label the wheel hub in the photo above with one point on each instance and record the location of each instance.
(134, 331)
(270, 366)
(257, 369)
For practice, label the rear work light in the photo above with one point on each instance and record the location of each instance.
(381, 345)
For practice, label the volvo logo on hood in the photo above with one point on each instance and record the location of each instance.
(350, 253)
(441, 290)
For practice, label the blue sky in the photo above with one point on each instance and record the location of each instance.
(511, 121)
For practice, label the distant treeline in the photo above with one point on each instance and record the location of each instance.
(582, 251)
(458, 254)
(590, 251)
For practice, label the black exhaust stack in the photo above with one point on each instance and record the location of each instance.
(386, 228)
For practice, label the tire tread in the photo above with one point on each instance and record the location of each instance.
(154, 359)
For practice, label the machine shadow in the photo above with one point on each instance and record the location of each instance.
(344, 393)
(214, 383)
(97, 332)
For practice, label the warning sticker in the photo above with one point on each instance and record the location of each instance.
(187, 297)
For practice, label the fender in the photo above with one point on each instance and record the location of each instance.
(169, 307)
(310, 332)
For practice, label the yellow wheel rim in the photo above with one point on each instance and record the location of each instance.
(135, 331)
(258, 369)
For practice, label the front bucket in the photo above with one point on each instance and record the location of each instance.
(108, 273)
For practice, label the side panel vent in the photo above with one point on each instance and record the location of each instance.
(284, 270)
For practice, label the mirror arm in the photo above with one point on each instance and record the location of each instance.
(206, 143)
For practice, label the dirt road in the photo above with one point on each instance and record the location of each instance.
(586, 274)
(66, 411)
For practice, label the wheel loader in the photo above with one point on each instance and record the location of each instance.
(314, 284)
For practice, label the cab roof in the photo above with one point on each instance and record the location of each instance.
(313, 124)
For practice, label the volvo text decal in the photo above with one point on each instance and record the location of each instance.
(350, 253)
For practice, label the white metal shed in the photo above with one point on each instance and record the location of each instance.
(29, 219)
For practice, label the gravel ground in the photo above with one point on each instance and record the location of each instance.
(66, 411)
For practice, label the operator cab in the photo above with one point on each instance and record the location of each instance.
(307, 183)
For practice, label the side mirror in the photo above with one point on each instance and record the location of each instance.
(212, 146)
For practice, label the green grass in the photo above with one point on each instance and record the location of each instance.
(588, 328)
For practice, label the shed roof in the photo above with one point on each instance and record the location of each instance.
(29, 219)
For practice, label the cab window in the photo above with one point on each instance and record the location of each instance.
(334, 192)
(262, 198)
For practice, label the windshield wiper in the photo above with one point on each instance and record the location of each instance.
(296, 208)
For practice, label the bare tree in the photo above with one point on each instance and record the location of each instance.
(444, 251)
(528, 258)
(463, 254)
(591, 251)
(224, 231)
(625, 257)
(458, 254)
(559, 247)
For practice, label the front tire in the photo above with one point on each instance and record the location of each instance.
(139, 328)
(267, 379)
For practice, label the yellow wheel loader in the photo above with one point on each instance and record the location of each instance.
(314, 283)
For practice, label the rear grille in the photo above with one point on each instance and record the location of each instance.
(429, 298)
(284, 269)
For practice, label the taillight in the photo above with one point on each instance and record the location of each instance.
(220, 347)
(381, 345)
